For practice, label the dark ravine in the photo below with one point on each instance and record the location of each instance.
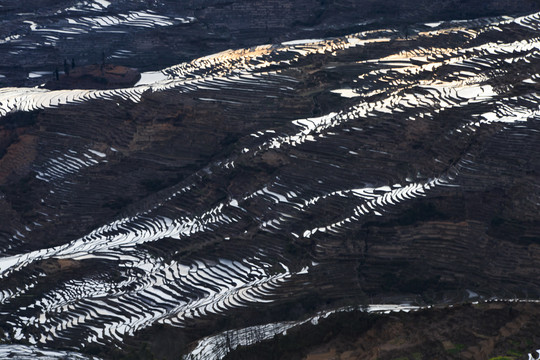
(396, 165)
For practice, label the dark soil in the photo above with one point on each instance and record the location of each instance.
(486, 331)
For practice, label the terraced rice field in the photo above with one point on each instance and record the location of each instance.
(253, 177)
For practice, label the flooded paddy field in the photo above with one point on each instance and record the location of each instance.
(252, 182)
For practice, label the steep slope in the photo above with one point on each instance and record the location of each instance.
(258, 185)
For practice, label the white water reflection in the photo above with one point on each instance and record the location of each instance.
(346, 93)
(151, 77)
(24, 352)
